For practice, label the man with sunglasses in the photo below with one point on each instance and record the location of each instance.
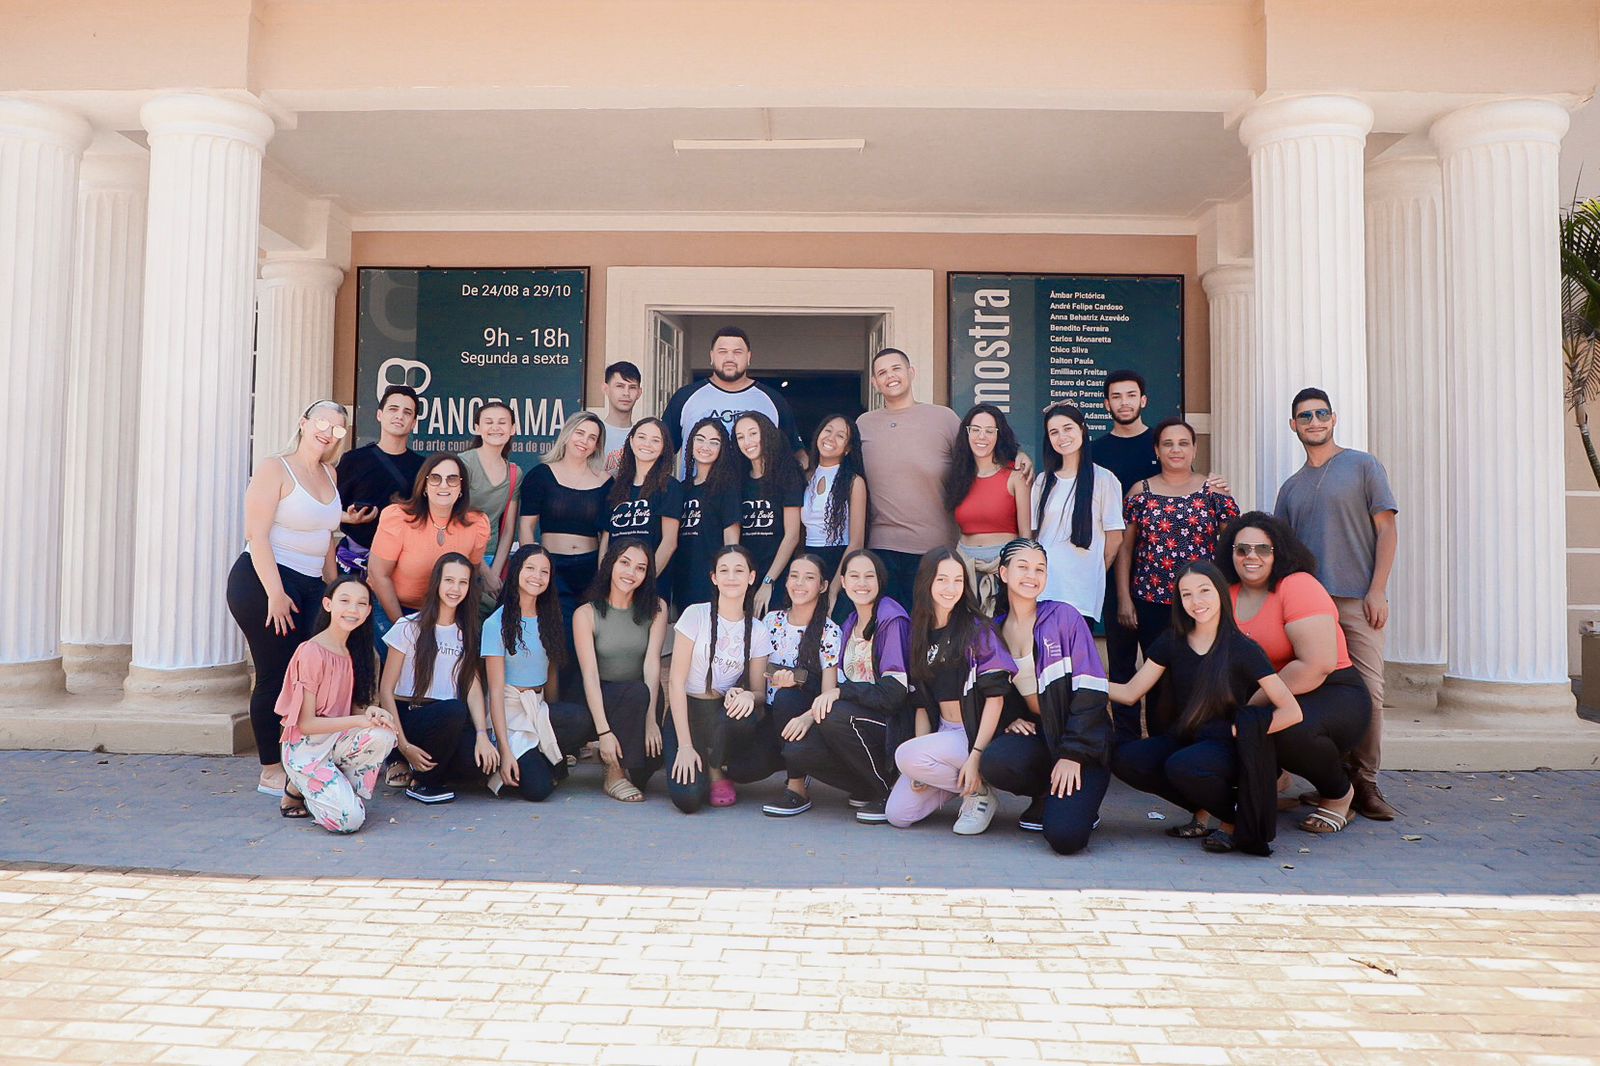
(1341, 505)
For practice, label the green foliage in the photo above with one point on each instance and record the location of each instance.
(1580, 316)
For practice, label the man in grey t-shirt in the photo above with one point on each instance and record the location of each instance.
(1341, 505)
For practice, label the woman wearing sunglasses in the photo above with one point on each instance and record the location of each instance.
(1279, 603)
(413, 535)
(291, 511)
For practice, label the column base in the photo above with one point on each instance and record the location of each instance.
(96, 666)
(1412, 686)
(25, 684)
(1489, 725)
(165, 712)
(202, 685)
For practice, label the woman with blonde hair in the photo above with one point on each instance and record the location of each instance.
(564, 508)
(291, 511)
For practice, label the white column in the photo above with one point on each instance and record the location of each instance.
(1235, 400)
(1507, 552)
(194, 433)
(1408, 387)
(294, 346)
(1305, 173)
(102, 416)
(40, 148)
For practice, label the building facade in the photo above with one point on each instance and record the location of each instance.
(1358, 195)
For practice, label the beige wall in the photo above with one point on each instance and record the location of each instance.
(789, 342)
(938, 252)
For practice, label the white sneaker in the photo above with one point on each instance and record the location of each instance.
(977, 811)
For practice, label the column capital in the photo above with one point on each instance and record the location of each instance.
(318, 273)
(1499, 122)
(42, 122)
(1229, 277)
(202, 115)
(1305, 116)
(1404, 178)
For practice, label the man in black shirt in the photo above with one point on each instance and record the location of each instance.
(372, 475)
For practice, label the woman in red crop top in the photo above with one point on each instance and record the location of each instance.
(987, 495)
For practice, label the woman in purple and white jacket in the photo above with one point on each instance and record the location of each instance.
(848, 743)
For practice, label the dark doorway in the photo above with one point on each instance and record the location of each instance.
(813, 395)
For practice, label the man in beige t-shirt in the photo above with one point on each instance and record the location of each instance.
(906, 448)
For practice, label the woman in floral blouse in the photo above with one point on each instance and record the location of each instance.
(1173, 519)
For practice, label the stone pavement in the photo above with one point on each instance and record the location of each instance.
(153, 909)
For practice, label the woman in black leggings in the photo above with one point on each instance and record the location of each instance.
(1279, 603)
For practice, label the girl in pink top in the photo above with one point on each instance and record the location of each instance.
(331, 751)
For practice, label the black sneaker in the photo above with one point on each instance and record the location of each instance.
(430, 794)
(1032, 820)
(858, 803)
(872, 814)
(790, 805)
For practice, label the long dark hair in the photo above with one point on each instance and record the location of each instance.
(426, 650)
(1082, 532)
(964, 465)
(547, 608)
(646, 602)
(809, 655)
(628, 467)
(882, 571)
(834, 515)
(1289, 553)
(477, 438)
(417, 505)
(1212, 695)
(748, 607)
(361, 644)
(778, 466)
(961, 632)
(722, 479)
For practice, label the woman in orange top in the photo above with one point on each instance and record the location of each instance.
(412, 536)
(1279, 603)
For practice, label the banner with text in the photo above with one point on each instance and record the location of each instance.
(1025, 341)
(464, 337)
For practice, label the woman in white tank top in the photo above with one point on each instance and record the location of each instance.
(291, 513)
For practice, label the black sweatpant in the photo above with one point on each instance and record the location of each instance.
(1154, 620)
(756, 753)
(713, 734)
(572, 575)
(1199, 774)
(627, 706)
(1336, 719)
(848, 750)
(444, 730)
(1021, 765)
(1122, 660)
(902, 568)
(247, 602)
(537, 777)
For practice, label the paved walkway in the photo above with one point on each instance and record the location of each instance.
(154, 909)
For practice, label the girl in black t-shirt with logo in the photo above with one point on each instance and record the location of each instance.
(645, 500)
(770, 501)
(710, 517)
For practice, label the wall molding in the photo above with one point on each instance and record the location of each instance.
(755, 222)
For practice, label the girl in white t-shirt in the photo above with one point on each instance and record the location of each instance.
(1077, 511)
(719, 665)
(431, 685)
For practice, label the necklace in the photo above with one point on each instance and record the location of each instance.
(439, 530)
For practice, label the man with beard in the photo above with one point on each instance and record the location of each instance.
(1341, 505)
(1128, 450)
(729, 392)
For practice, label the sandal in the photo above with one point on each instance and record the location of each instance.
(1189, 830)
(1218, 842)
(624, 790)
(1323, 821)
(293, 804)
(397, 775)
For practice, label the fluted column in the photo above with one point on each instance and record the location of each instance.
(1408, 386)
(1235, 399)
(1305, 173)
(194, 436)
(40, 148)
(1508, 546)
(102, 416)
(294, 346)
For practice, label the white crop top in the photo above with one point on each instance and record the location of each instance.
(302, 528)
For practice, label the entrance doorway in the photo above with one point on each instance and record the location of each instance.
(816, 361)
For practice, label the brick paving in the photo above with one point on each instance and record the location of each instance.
(152, 909)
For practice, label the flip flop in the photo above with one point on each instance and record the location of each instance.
(1323, 821)
(266, 791)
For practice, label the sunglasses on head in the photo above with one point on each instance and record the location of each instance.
(1320, 414)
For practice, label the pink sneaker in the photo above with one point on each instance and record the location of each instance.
(723, 794)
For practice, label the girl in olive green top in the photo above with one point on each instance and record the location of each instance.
(618, 633)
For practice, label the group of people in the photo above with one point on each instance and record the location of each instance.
(900, 607)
